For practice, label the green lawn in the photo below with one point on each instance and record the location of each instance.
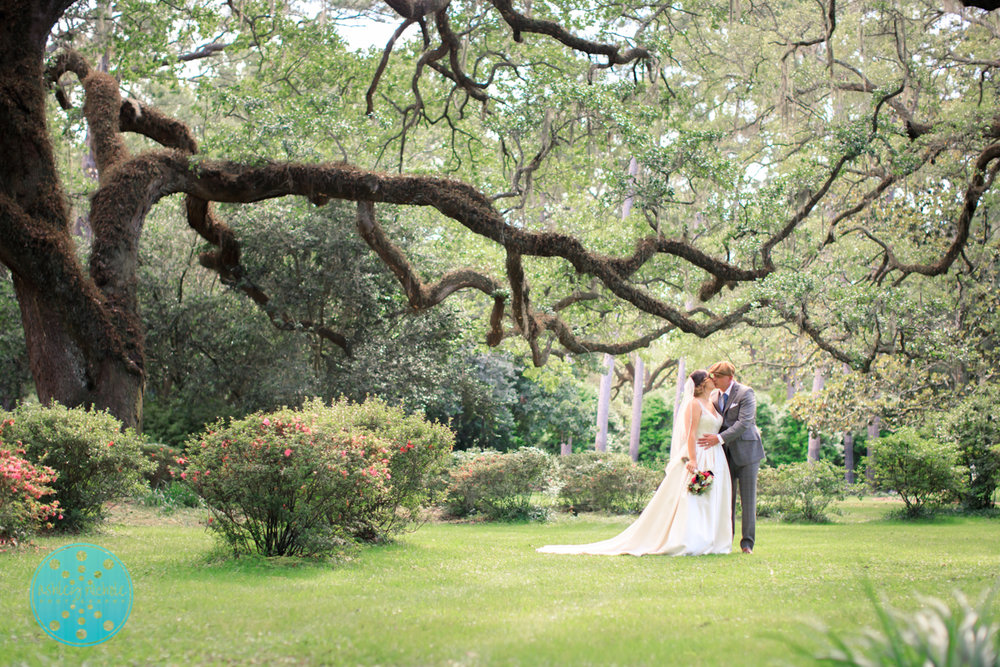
(471, 594)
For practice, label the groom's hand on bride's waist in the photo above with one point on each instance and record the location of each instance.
(709, 440)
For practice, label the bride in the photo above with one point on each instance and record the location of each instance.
(676, 522)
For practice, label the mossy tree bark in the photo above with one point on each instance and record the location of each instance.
(84, 343)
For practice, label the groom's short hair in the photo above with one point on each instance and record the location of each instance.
(722, 368)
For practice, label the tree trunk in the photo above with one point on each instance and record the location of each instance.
(638, 384)
(849, 457)
(790, 387)
(633, 171)
(603, 404)
(814, 441)
(566, 448)
(84, 345)
(681, 377)
(874, 427)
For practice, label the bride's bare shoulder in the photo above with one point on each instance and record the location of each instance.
(694, 409)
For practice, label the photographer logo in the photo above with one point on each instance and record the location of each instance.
(81, 594)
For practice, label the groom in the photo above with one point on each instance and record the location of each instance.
(740, 439)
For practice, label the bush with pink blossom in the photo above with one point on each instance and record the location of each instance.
(22, 487)
(302, 482)
(96, 460)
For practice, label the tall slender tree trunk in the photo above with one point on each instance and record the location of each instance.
(849, 457)
(681, 377)
(603, 404)
(566, 448)
(874, 428)
(814, 440)
(790, 387)
(633, 171)
(637, 387)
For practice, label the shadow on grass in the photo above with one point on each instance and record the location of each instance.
(219, 561)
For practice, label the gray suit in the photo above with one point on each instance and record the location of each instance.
(741, 442)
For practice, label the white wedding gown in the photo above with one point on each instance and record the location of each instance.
(676, 522)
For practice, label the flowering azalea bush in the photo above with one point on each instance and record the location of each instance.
(418, 452)
(164, 460)
(599, 481)
(300, 482)
(22, 486)
(498, 485)
(94, 459)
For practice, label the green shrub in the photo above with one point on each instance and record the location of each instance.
(922, 471)
(936, 635)
(22, 486)
(976, 430)
(172, 421)
(598, 481)
(498, 485)
(171, 496)
(297, 482)
(800, 491)
(654, 433)
(95, 460)
(770, 498)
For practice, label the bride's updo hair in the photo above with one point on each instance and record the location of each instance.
(698, 378)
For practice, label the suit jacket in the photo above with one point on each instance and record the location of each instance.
(740, 435)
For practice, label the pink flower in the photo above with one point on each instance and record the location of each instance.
(110, 444)
(183, 475)
(266, 422)
(288, 452)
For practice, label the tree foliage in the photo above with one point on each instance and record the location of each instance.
(586, 170)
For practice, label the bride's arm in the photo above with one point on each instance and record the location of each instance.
(694, 416)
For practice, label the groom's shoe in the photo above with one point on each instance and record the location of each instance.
(747, 550)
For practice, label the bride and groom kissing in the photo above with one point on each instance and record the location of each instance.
(714, 430)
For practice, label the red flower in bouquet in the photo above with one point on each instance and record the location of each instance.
(700, 482)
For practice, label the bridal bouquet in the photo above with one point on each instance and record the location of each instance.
(700, 482)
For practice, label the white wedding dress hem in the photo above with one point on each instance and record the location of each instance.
(676, 522)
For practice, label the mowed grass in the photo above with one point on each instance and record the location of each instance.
(478, 594)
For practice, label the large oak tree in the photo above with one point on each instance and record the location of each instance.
(788, 164)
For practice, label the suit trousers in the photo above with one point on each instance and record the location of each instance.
(745, 476)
